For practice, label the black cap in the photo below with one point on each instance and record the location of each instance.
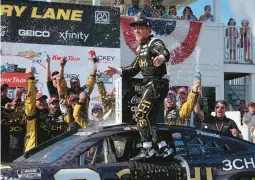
(140, 21)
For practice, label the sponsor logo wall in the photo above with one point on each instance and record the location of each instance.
(60, 30)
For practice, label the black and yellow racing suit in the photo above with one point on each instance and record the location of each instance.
(80, 112)
(17, 130)
(108, 103)
(176, 116)
(156, 87)
(37, 130)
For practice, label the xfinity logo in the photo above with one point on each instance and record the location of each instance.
(3, 30)
(34, 33)
(70, 35)
(102, 17)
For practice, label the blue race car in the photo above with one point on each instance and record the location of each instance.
(104, 154)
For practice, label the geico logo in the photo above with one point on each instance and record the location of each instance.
(16, 129)
(23, 32)
(244, 163)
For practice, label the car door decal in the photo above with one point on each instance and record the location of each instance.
(81, 173)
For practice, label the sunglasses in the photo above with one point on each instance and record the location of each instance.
(221, 107)
(97, 111)
(182, 93)
(171, 96)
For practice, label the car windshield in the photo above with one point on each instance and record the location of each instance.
(55, 151)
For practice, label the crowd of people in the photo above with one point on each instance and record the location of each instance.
(235, 39)
(26, 124)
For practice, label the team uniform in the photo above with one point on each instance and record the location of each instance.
(156, 88)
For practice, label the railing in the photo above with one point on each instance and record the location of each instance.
(239, 87)
(238, 45)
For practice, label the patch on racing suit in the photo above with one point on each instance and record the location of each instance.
(29, 174)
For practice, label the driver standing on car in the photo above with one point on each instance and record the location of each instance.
(151, 59)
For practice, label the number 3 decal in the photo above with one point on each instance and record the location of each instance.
(82, 173)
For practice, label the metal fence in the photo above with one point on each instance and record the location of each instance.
(238, 45)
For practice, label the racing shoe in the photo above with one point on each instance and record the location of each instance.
(144, 153)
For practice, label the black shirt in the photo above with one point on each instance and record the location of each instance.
(223, 125)
(53, 92)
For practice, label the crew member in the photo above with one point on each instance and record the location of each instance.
(151, 59)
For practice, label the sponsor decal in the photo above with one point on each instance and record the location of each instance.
(70, 76)
(176, 136)
(207, 134)
(29, 173)
(3, 30)
(92, 104)
(178, 143)
(102, 17)
(95, 98)
(73, 36)
(139, 88)
(104, 59)
(69, 58)
(42, 12)
(30, 54)
(14, 79)
(34, 33)
(104, 78)
(242, 163)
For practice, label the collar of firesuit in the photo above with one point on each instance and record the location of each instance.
(147, 39)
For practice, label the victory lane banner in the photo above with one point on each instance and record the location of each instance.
(60, 24)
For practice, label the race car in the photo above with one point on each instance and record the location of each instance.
(104, 153)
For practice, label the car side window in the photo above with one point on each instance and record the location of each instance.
(127, 145)
(195, 142)
(101, 152)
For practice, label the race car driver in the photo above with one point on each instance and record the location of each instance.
(151, 59)
(178, 116)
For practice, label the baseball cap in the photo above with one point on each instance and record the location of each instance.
(140, 21)
(97, 107)
(72, 97)
(251, 103)
(52, 99)
(40, 95)
(242, 102)
(182, 89)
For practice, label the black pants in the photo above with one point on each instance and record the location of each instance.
(152, 96)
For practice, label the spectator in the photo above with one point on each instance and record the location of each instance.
(97, 114)
(178, 116)
(108, 100)
(219, 122)
(80, 116)
(249, 119)
(207, 16)
(232, 35)
(51, 78)
(182, 96)
(188, 14)
(162, 11)
(36, 112)
(56, 122)
(245, 42)
(147, 8)
(173, 13)
(4, 97)
(16, 126)
(134, 9)
(242, 109)
(120, 4)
